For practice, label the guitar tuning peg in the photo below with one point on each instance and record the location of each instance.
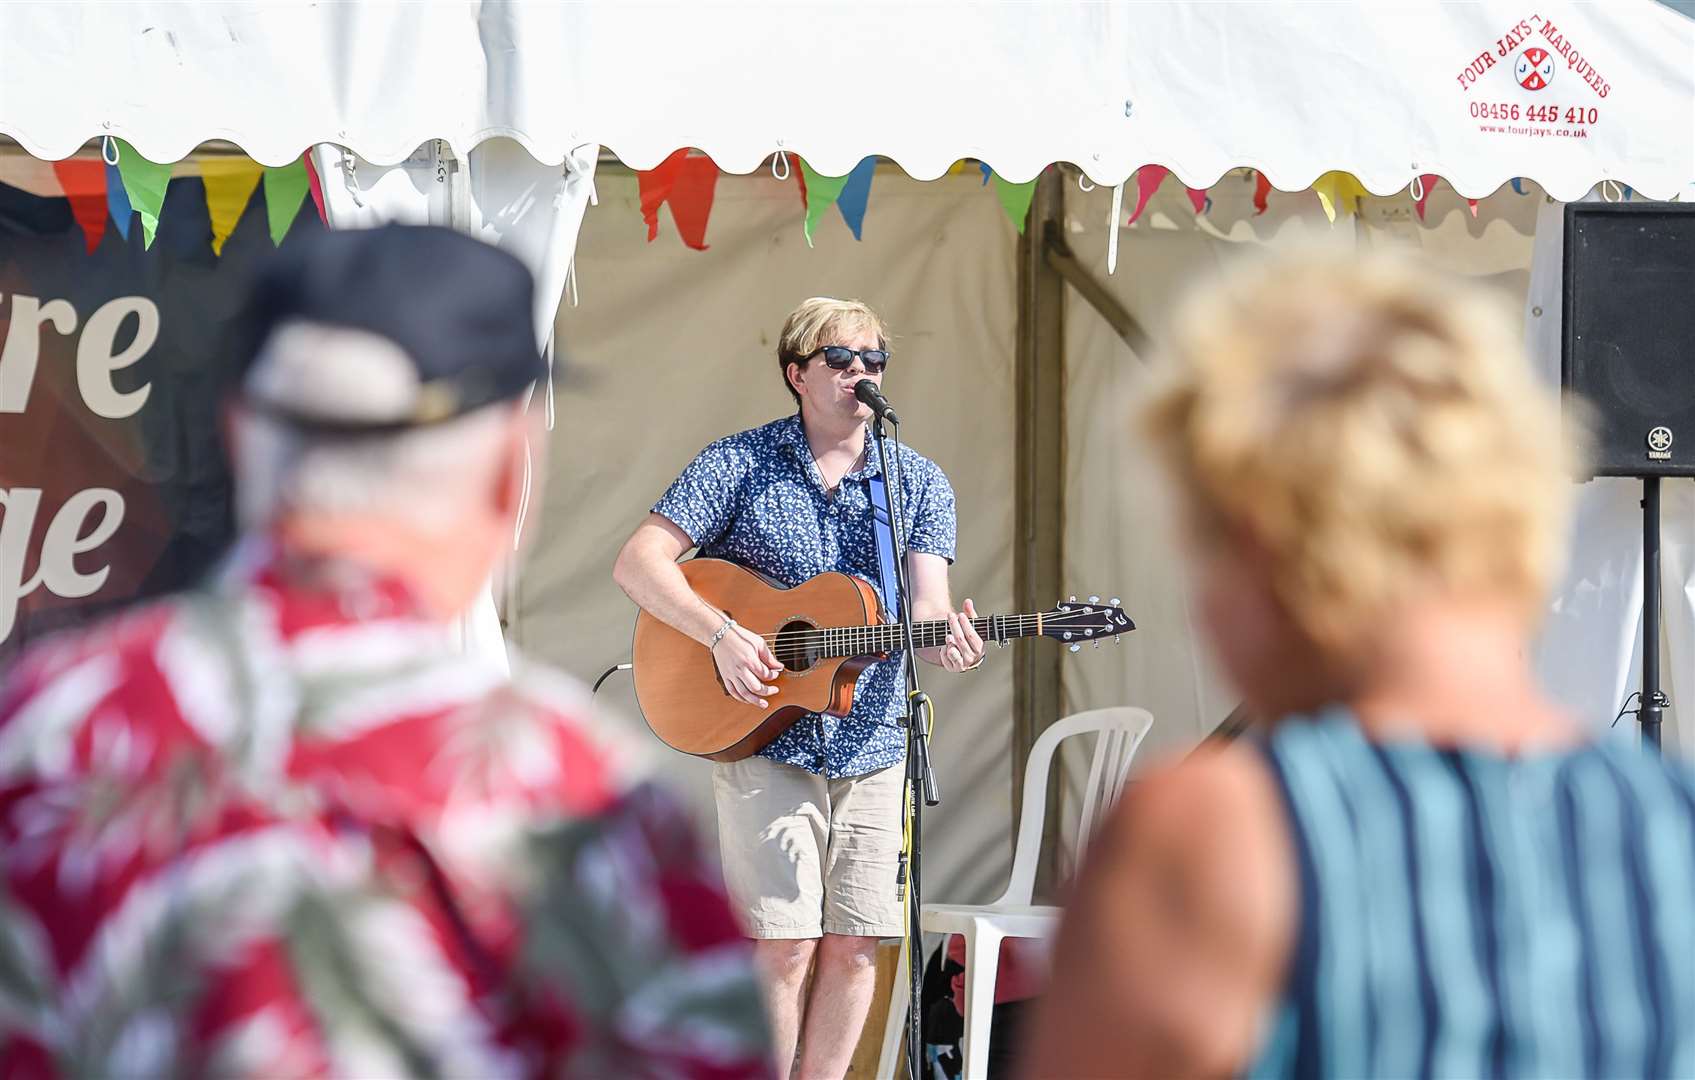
(1073, 599)
(1076, 648)
(1094, 599)
(1116, 602)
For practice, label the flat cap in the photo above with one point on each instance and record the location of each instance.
(454, 317)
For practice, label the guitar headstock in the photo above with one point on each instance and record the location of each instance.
(1078, 622)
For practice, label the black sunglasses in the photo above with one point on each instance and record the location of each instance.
(838, 357)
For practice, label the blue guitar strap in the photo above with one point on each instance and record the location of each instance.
(883, 527)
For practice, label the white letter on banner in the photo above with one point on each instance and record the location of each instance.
(66, 540)
(96, 361)
(18, 521)
(23, 348)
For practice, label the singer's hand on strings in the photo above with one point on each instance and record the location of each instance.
(745, 663)
(964, 647)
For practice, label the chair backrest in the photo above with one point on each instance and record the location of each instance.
(1118, 732)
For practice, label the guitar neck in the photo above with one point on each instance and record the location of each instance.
(887, 637)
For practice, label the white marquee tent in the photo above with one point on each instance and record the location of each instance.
(489, 117)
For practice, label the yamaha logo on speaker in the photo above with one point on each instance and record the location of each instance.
(1659, 443)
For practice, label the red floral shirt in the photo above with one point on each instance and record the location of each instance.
(278, 827)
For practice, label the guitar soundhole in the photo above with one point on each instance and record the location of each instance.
(796, 647)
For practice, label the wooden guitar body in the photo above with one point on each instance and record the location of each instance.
(676, 680)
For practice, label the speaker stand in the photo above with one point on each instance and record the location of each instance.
(1653, 701)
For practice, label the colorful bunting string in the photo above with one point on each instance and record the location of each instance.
(229, 186)
(144, 185)
(688, 184)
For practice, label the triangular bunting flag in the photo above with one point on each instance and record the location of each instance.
(856, 193)
(1198, 198)
(84, 184)
(1472, 204)
(1262, 193)
(987, 172)
(1148, 178)
(117, 201)
(1015, 199)
(1338, 192)
(285, 190)
(689, 185)
(316, 184)
(1518, 184)
(144, 184)
(1426, 184)
(821, 194)
(229, 184)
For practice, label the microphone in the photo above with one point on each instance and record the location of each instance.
(866, 391)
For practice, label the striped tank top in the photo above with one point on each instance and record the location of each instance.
(1466, 914)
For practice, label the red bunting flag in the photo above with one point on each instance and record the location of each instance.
(1147, 182)
(689, 185)
(316, 185)
(1473, 204)
(1148, 179)
(84, 184)
(1426, 184)
(1262, 193)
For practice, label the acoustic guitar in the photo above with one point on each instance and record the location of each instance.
(823, 632)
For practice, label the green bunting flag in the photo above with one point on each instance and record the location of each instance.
(1015, 199)
(821, 194)
(285, 191)
(144, 183)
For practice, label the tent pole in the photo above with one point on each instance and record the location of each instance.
(1039, 513)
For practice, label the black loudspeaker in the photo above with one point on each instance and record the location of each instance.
(1629, 347)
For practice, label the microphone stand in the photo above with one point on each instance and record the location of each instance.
(921, 787)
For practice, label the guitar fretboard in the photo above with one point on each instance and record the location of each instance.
(887, 637)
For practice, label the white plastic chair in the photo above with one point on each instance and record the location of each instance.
(1121, 730)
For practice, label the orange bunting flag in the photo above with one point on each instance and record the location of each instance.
(1262, 193)
(689, 185)
(84, 184)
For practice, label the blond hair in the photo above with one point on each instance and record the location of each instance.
(1375, 429)
(815, 322)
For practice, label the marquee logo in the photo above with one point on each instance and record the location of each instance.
(1535, 69)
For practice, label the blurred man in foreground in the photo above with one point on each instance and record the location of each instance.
(278, 826)
(1425, 868)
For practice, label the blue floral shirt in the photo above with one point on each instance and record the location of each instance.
(756, 498)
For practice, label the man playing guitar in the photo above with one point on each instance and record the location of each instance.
(810, 827)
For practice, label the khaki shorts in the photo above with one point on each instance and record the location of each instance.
(805, 855)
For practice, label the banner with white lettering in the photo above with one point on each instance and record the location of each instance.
(113, 367)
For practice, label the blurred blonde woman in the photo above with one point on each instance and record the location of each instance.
(1425, 867)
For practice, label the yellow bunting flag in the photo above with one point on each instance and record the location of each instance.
(1339, 192)
(229, 185)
